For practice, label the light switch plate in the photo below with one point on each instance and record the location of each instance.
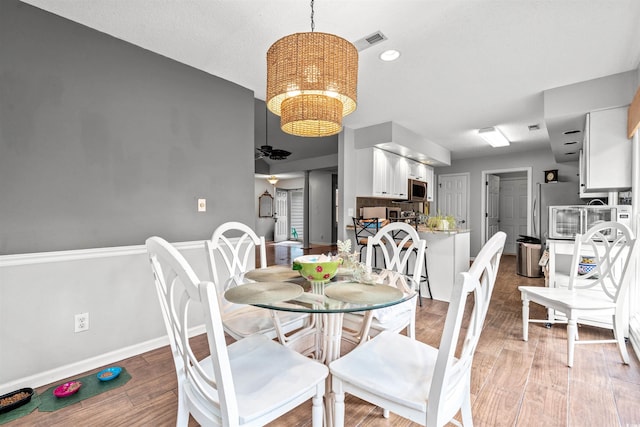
(202, 205)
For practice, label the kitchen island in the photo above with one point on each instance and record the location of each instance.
(448, 254)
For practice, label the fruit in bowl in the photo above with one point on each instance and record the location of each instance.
(317, 268)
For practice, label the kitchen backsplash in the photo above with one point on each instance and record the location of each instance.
(362, 202)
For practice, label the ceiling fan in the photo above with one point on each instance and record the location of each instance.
(271, 153)
(267, 151)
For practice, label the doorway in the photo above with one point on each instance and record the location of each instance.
(297, 214)
(281, 216)
(506, 205)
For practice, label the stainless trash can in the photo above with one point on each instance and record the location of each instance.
(528, 253)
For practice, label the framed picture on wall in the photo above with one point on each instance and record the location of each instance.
(265, 205)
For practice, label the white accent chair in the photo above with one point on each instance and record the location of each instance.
(249, 383)
(426, 385)
(399, 242)
(602, 291)
(230, 254)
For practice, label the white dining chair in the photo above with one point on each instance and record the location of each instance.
(248, 383)
(230, 254)
(399, 243)
(601, 291)
(426, 385)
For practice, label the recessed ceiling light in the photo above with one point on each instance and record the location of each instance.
(390, 55)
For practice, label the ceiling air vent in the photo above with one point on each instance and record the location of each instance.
(570, 132)
(570, 142)
(369, 41)
(534, 127)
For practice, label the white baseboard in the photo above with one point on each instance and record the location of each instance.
(77, 368)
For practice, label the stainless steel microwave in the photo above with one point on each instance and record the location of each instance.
(417, 191)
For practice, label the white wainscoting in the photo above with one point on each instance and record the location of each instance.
(41, 293)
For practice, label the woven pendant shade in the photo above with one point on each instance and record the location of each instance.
(312, 82)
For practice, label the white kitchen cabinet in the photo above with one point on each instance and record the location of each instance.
(430, 183)
(399, 176)
(583, 176)
(417, 170)
(390, 173)
(381, 174)
(607, 151)
(560, 254)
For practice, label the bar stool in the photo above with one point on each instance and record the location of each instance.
(364, 229)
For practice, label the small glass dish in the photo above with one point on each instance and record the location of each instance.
(109, 373)
(67, 389)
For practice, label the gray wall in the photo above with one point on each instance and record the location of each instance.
(538, 160)
(103, 143)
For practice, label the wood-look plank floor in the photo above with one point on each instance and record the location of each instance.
(514, 383)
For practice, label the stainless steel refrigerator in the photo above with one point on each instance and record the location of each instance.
(551, 194)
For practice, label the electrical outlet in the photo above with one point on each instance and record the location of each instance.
(82, 322)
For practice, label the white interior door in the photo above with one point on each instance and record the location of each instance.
(513, 211)
(453, 197)
(280, 214)
(493, 206)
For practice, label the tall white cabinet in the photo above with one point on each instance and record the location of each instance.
(605, 163)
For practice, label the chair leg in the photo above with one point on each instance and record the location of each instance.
(317, 409)
(182, 419)
(525, 318)
(338, 403)
(618, 333)
(572, 329)
(465, 411)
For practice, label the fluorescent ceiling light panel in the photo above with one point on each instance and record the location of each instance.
(494, 137)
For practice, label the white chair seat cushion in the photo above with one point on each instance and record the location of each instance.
(250, 320)
(561, 297)
(406, 360)
(267, 375)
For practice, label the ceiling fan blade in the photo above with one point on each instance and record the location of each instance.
(278, 154)
(266, 149)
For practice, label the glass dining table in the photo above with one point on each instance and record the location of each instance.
(279, 288)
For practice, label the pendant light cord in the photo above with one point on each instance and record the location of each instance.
(313, 24)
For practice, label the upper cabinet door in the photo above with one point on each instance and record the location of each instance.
(607, 151)
(381, 174)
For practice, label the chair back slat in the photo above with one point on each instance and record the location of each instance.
(398, 242)
(452, 375)
(229, 253)
(181, 295)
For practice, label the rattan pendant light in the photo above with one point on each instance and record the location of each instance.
(312, 82)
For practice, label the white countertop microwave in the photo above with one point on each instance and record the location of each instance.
(566, 221)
